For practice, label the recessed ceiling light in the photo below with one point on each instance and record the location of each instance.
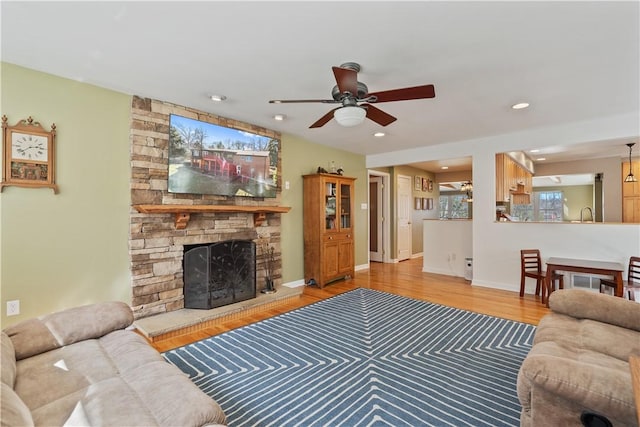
(520, 105)
(378, 134)
(540, 159)
(444, 167)
(218, 98)
(279, 117)
(534, 151)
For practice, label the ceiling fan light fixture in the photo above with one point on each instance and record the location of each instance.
(349, 116)
(631, 177)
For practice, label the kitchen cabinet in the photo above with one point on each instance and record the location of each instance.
(513, 182)
(329, 251)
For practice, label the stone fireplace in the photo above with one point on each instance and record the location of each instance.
(157, 238)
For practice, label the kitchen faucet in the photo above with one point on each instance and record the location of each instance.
(582, 212)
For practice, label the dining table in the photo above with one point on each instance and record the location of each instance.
(606, 268)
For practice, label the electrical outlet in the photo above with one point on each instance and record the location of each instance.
(13, 307)
(286, 185)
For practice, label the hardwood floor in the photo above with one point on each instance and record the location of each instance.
(405, 278)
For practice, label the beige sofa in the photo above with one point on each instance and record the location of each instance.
(82, 367)
(579, 363)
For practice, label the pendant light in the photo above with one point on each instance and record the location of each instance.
(630, 177)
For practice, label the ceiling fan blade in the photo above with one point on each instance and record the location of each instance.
(378, 116)
(323, 120)
(347, 80)
(297, 101)
(405, 94)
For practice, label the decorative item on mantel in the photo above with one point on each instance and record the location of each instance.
(268, 253)
(333, 170)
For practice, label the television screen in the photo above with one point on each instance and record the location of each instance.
(210, 159)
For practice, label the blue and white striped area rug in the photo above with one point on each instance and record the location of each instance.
(364, 358)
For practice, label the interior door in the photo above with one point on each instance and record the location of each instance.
(375, 219)
(403, 209)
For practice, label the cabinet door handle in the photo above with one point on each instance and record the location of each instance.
(330, 238)
(348, 235)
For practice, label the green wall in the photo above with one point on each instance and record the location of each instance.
(297, 161)
(64, 250)
(68, 249)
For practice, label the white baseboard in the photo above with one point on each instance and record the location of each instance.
(294, 284)
(298, 283)
(493, 285)
(440, 271)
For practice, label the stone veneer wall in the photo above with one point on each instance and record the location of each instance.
(155, 245)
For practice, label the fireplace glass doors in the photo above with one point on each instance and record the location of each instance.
(219, 274)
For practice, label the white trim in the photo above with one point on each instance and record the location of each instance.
(497, 285)
(294, 284)
(439, 271)
(417, 255)
(362, 267)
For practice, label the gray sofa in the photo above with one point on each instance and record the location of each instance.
(83, 367)
(579, 363)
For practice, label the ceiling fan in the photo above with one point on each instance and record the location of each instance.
(357, 101)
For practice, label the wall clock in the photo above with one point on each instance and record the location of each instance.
(29, 155)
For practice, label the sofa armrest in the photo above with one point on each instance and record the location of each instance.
(51, 331)
(582, 304)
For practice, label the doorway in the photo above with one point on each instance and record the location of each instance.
(379, 233)
(403, 209)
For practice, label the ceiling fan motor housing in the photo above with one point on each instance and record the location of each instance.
(363, 90)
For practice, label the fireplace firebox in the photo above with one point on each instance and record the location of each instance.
(219, 274)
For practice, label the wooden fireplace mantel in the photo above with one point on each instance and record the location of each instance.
(183, 212)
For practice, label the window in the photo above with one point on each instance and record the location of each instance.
(454, 206)
(547, 206)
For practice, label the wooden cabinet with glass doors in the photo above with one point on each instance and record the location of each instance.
(328, 228)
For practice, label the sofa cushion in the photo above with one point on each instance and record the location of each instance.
(14, 411)
(117, 379)
(8, 358)
(34, 336)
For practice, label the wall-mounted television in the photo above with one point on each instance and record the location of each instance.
(210, 159)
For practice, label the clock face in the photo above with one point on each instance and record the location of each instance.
(29, 147)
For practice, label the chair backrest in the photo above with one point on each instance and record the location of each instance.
(530, 260)
(634, 269)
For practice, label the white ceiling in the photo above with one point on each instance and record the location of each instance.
(573, 61)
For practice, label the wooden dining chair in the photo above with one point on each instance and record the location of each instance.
(629, 286)
(531, 266)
